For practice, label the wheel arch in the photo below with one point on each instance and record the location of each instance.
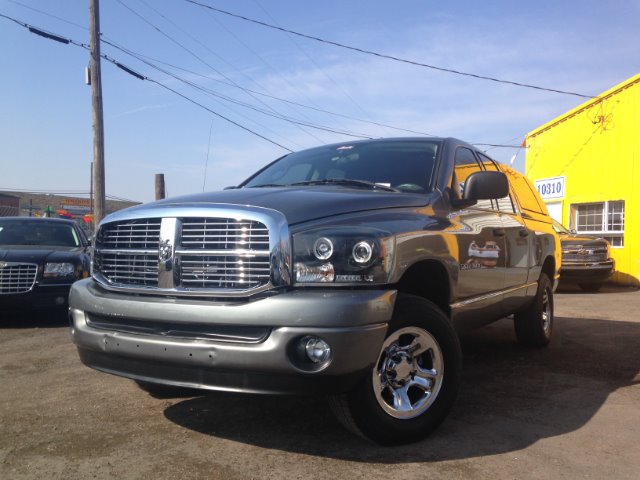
(549, 268)
(428, 279)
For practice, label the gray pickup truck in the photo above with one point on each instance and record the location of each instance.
(345, 270)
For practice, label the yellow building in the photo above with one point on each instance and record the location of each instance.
(586, 166)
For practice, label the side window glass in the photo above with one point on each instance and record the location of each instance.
(465, 165)
(504, 204)
(526, 194)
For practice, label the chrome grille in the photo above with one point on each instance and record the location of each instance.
(223, 234)
(184, 254)
(585, 255)
(131, 235)
(129, 269)
(17, 277)
(231, 271)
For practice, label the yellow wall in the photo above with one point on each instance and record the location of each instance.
(596, 147)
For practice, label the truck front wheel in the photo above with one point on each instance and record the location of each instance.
(414, 382)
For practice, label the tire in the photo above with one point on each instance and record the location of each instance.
(590, 287)
(414, 382)
(535, 324)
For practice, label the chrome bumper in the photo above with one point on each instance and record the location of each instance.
(353, 323)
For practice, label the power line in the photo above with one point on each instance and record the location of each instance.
(47, 34)
(314, 63)
(49, 14)
(382, 55)
(237, 102)
(263, 60)
(170, 38)
(139, 56)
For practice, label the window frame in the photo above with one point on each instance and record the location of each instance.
(605, 231)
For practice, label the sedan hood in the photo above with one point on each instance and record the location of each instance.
(31, 254)
(300, 204)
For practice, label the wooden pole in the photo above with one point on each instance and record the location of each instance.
(160, 191)
(96, 102)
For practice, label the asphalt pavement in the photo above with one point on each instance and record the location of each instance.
(570, 411)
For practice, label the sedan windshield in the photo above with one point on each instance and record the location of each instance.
(37, 233)
(396, 165)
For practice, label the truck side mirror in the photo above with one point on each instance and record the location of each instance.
(486, 186)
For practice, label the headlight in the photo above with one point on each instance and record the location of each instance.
(340, 256)
(59, 269)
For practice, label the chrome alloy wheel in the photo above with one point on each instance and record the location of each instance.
(409, 373)
(547, 312)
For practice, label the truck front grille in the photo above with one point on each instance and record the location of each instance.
(188, 254)
(17, 277)
(585, 255)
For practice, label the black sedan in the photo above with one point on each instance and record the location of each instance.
(39, 260)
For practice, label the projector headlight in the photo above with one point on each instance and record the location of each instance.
(340, 255)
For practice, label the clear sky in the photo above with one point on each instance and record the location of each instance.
(255, 76)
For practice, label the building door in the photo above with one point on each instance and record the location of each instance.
(555, 210)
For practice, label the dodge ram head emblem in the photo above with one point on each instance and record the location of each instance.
(165, 251)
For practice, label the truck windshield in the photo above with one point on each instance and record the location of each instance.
(396, 165)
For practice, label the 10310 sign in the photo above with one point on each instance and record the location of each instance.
(551, 187)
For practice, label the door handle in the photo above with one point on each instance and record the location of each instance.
(498, 232)
(523, 232)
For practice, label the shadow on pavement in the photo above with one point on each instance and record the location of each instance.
(607, 288)
(510, 398)
(49, 318)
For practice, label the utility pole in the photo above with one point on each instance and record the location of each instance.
(96, 102)
(160, 191)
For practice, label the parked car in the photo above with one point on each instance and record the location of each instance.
(343, 270)
(39, 260)
(586, 260)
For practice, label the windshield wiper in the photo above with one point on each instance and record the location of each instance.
(348, 182)
(265, 185)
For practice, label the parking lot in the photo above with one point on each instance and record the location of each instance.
(569, 411)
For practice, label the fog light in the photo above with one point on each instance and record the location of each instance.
(318, 351)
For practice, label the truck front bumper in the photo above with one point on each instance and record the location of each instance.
(125, 335)
(588, 272)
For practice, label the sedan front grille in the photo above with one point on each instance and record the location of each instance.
(17, 277)
(184, 254)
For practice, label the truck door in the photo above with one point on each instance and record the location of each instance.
(481, 246)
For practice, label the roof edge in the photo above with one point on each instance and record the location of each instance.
(583, 106)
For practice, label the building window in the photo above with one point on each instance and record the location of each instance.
(605, 219)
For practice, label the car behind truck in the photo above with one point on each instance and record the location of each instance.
(346, 270)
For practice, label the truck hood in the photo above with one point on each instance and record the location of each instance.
(299, 204)
(577, 241)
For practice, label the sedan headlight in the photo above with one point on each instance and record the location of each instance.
(340, 256)
(59, 269)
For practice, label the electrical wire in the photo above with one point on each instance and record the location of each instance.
(176, 42)
(385, 56)
(105, 39)
(315, 64)
(237, 102)
(53, 36)
(140, 57)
